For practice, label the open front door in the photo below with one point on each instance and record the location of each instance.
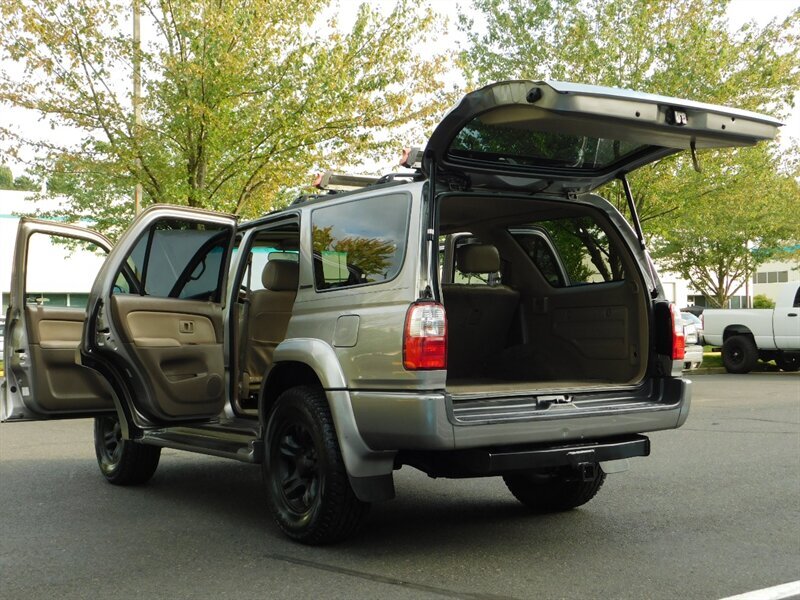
(154, 324)
(54, 266)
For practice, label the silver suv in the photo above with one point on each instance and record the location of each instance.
(486, 315)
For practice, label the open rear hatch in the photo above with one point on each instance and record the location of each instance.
(564, 137)
(558, 304)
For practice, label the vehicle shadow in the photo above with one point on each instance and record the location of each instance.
(225, 500)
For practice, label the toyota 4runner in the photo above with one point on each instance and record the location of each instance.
(486, 315)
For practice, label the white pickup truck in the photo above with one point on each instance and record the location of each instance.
(747, 335)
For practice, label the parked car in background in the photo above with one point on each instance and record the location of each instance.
(747, 335)
(692, 319)
(693, 334)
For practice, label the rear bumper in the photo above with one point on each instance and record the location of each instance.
(482, 462)
(693, 355)
(436, 421)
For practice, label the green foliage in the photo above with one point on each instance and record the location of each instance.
(25, 183)
(241, 100)
(763, 301)
(6, 178)
(736, 215)
(705, 227)
(21, 183)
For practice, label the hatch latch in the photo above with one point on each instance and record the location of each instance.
(546, 401)
(677, 117)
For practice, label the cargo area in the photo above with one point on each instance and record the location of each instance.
(540, 294)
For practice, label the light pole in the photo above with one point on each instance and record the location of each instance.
(137, 99)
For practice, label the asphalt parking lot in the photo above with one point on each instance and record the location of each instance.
(715, 511)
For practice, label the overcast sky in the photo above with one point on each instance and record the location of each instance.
(740, 11)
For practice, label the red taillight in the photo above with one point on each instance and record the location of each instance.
(678, 339)
(425, 337)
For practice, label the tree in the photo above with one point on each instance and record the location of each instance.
(705, 227)
(763, 301)
(25, 183)
(6, 178)
(242, 100)
(730, 220)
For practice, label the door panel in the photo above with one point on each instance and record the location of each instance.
(179, 344)
(43, 380)
(61, 385)
(159, 340)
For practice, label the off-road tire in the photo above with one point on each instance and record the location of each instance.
(553, 492)
(789, 363)
(122, 462)
(739, 354)
(308, 491)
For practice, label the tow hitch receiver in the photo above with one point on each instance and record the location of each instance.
(587, 471)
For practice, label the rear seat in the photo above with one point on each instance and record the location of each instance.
(479, 316)
(270, 311)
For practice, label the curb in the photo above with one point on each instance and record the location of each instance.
(722, 371)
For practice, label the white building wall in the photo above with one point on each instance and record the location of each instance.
(771, 275)
(57, 269)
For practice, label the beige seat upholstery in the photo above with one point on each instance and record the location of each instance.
(479, 316)
(269, 314)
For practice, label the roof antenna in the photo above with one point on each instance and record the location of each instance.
(695, 161)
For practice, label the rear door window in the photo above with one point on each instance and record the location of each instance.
(177, 259)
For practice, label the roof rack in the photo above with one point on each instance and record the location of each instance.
(306, 197)
(330, 181)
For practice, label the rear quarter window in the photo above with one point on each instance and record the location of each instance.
(360, 242)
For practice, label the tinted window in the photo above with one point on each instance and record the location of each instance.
(508, 135)
(583, 248)
(542, 255)
(360, 242)
(176, 259)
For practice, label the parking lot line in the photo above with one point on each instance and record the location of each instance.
(778, 592)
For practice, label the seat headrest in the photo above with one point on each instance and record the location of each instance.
(478, 258)
(280, 275)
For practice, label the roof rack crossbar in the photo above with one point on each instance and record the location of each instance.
(336, 181)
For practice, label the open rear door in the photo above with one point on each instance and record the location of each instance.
(54, 265)
(154, 326)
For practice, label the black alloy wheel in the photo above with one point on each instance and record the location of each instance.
(296, 467)
(789, 362)
(308, 489)
(111, 446)
(121, 461)
(739, 354)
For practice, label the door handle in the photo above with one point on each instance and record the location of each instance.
(792, 315)
(186, 326)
